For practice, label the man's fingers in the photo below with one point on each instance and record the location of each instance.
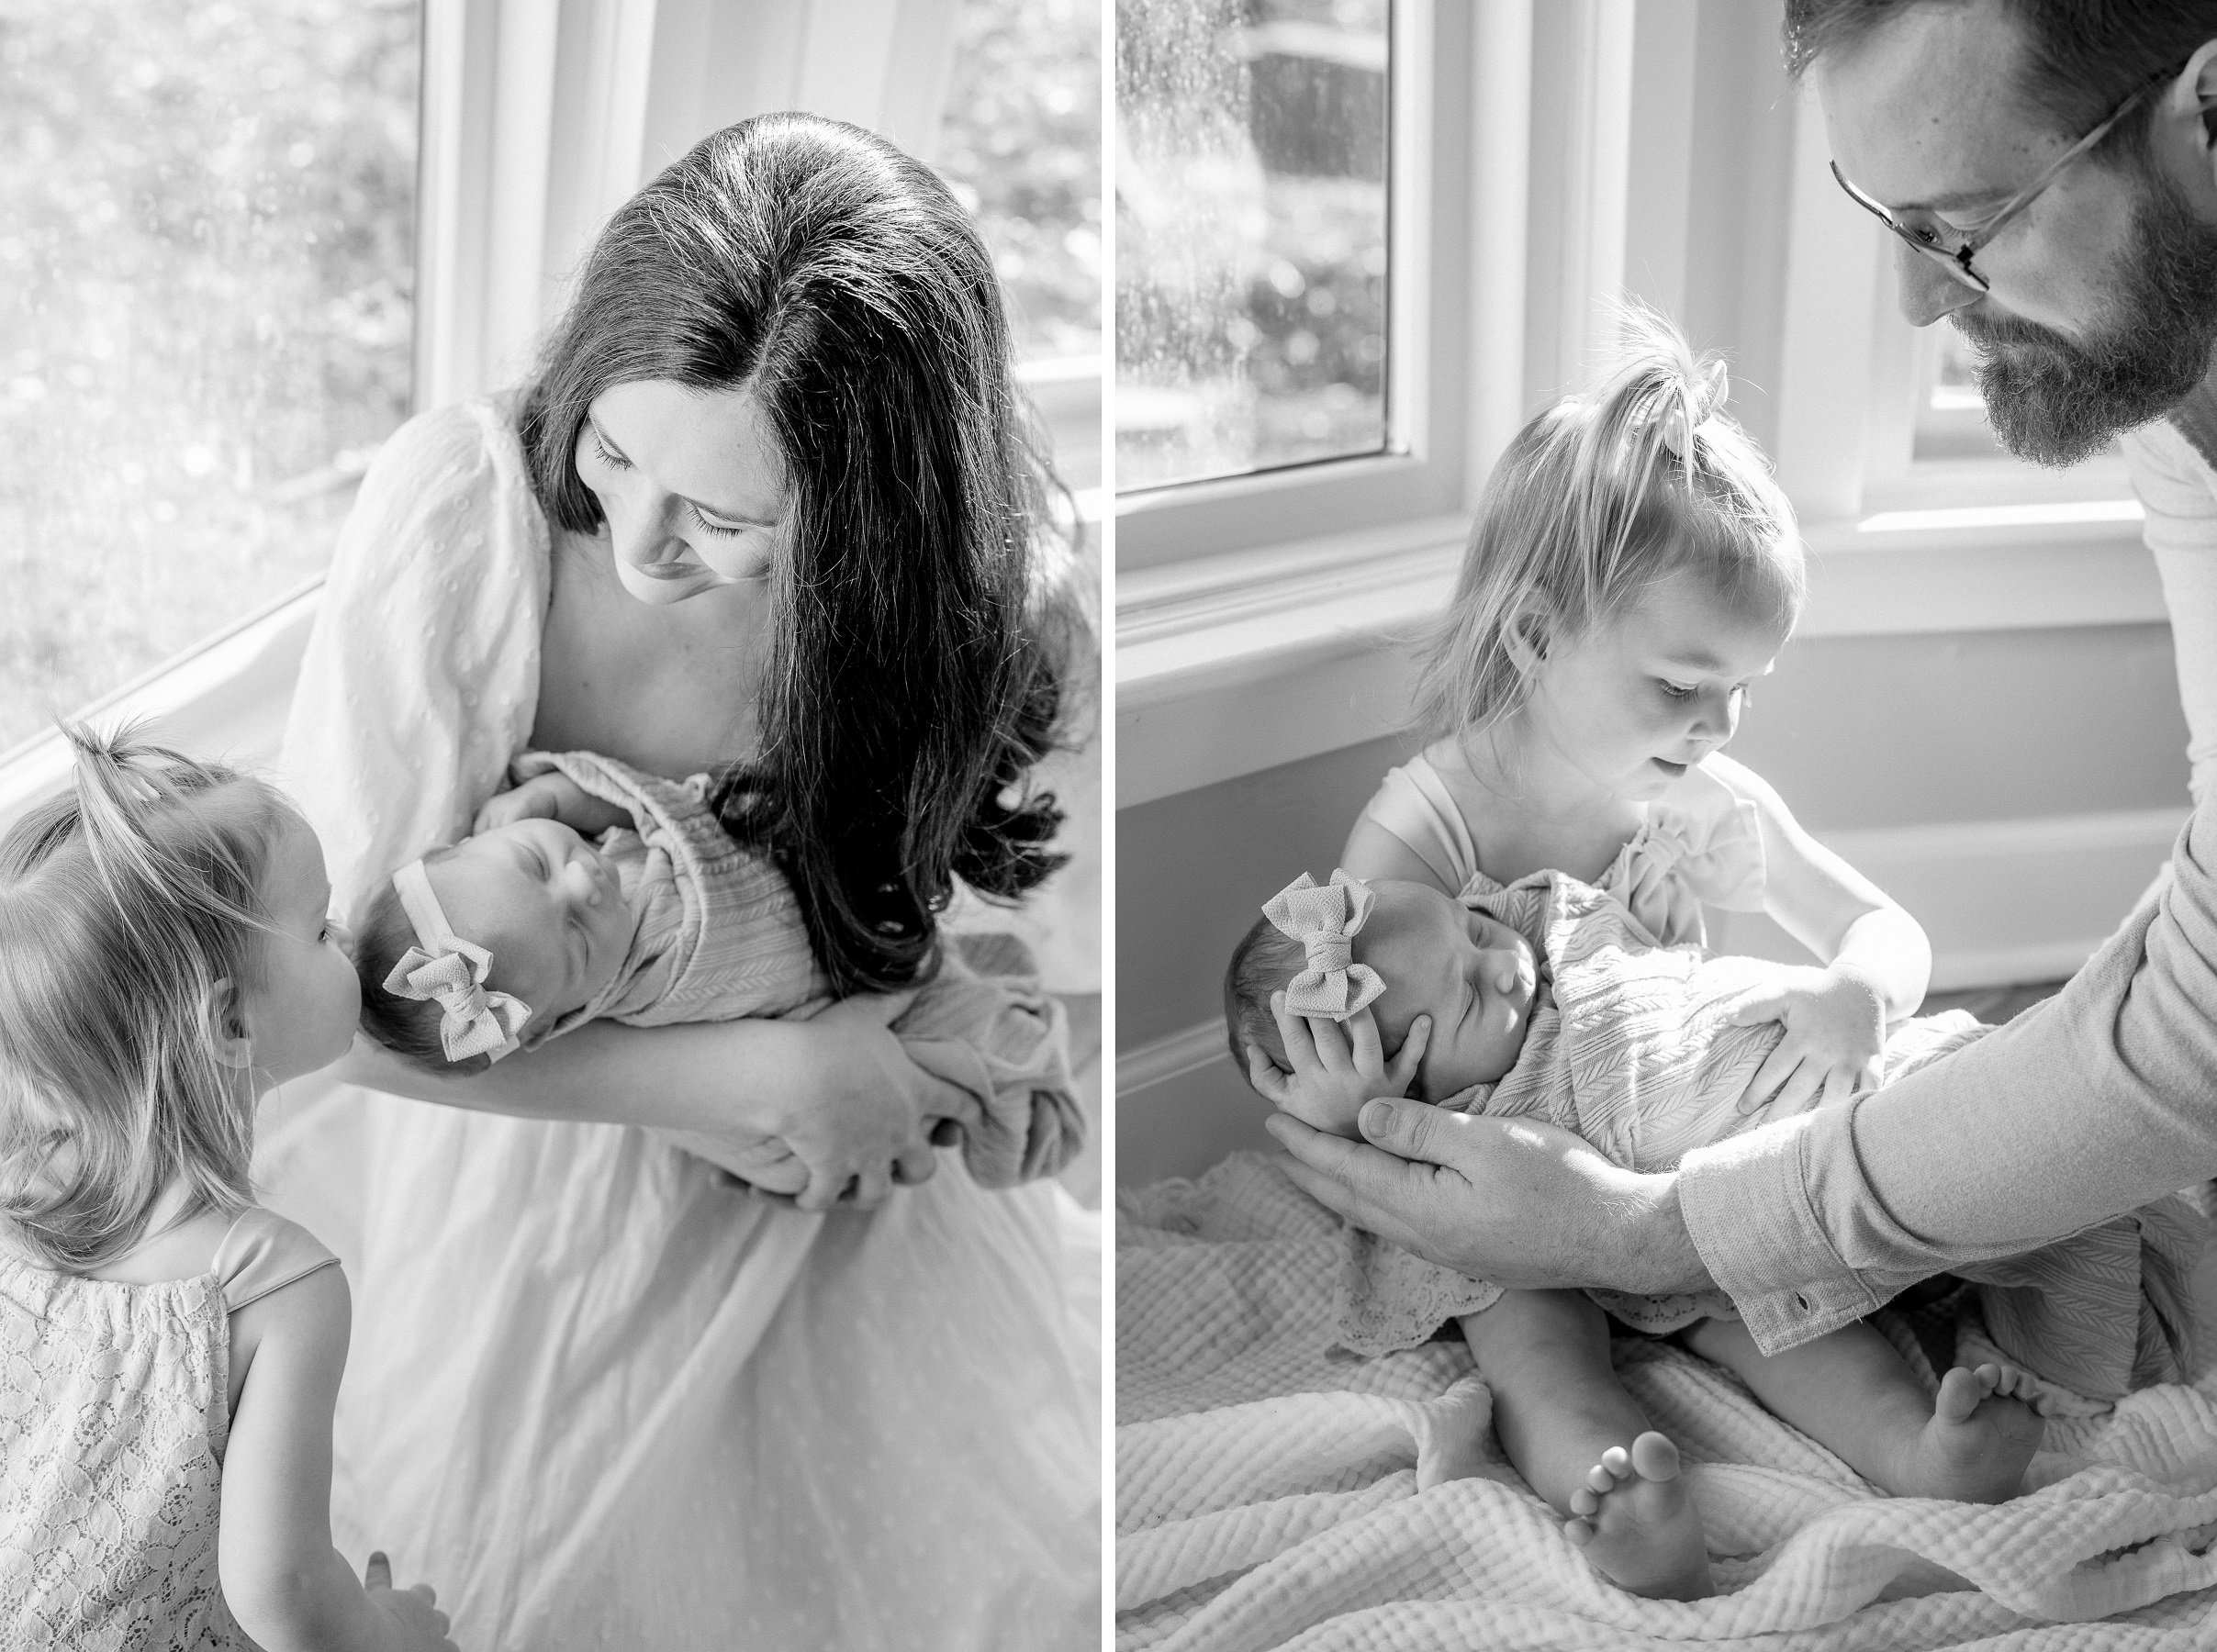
(1409, 1130)
(1403, 1073)
(1267, 1077)
(378, 1573)
(1293, 1032)
(1345, 1176)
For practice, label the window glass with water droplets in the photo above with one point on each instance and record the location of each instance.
(207, 251)
(1251, 235)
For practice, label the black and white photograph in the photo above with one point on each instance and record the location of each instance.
(550, 940)
(1666, 742)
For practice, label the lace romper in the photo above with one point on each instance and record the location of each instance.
(114, 1413)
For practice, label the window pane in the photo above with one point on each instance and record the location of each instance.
(206, 222)
(1250, 234)
(1021, 145)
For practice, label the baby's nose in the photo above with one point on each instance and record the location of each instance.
(580, 881)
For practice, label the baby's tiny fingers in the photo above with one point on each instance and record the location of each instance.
(429, 1594)
(378, 1573)
(1266, 1076)
(1411, 1053)
(1293, 1031)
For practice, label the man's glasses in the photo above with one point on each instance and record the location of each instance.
(1951, 249)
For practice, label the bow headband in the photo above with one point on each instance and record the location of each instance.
(1323, 919)
(444, 969)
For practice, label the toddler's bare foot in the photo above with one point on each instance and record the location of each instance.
(1980, 1438)
(1635, 1522)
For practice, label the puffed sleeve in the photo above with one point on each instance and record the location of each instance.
(2179, 493)
(422, 676)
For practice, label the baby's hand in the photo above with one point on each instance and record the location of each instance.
(1336, 1068)
(539, 798)
(1835, 1037)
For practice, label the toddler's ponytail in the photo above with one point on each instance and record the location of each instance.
(1594, 501)
(123, 902)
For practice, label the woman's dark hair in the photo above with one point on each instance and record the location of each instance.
(925, 625)
(2081, 58)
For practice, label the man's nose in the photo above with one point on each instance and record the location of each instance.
(1926, 291)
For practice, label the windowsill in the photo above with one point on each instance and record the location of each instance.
(1232, 663)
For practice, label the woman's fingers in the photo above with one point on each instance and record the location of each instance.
(1407, 1060)
(378, 1573)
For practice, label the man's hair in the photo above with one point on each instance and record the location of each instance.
(1264, 961)
(2081, 58)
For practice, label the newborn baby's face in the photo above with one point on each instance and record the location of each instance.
(545, 903)
(1473, 976)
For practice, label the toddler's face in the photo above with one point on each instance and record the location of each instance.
(302, 1016)
(1473, 976)
(545, 903)
(1645, 696)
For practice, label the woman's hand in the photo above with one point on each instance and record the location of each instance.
(1335, 1067)
(864, 1114)
(1522, 1204)
(1834, 1042)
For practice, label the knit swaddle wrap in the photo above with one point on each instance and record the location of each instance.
(1631, 1048)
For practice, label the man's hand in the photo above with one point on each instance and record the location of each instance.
(1520, 1203)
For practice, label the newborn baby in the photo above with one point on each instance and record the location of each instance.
(527, 929)
(1546, 999)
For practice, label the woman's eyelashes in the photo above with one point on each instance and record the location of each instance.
(719, 529)
(608, 456)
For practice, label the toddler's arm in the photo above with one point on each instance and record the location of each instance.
(1876, 961)
(284, 1582)
(552, 796)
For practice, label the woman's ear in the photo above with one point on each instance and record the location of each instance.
(226, 1026)
(1528, 633)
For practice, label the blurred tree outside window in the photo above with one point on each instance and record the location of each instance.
(1020, 145)
(1251, 235)
(207, 267)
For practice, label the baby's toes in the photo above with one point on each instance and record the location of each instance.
(1579, 1532)
(1584, 1501)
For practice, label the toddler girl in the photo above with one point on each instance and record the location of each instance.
(527, 930)
(1632, 571)
(173, 1349)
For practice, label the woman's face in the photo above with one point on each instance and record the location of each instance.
(692, 484)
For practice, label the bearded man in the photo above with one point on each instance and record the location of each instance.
(2050, 167)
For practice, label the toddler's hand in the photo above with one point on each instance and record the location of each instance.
(1835, 1037)
(1337, 1067)
(416, 1623)
(535, 800)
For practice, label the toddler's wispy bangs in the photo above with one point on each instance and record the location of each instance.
(123, 902)
(1588, 508)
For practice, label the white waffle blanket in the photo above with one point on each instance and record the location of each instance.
(1273, 1491)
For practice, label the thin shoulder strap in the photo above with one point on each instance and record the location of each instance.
(264, 1251)
(1413, 804)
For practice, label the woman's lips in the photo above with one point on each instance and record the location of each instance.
(664, 570)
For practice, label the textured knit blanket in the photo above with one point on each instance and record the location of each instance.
(1274, 1490)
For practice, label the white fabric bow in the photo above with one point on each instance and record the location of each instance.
(444, 969)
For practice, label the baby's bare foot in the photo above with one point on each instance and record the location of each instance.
(1980, 1438)
(1635, 1522)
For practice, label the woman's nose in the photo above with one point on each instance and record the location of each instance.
(1924, 290)
(638, 530)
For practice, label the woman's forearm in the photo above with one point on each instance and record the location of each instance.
(715, 1076)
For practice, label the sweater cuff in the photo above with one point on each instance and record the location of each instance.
(1746, 1206)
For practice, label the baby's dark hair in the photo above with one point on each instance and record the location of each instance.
(408, 1027)
(1264, 961)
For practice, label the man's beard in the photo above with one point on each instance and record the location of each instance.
(2054, 400)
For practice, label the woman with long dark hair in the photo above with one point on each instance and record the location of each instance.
(768, 509)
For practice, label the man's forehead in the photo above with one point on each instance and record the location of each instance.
(1926, 109)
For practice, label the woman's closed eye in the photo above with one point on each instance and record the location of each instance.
(608, 456)
(721, 529)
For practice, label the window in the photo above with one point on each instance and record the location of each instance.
(1252, 235)
(1020, 144)
(206, 223)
